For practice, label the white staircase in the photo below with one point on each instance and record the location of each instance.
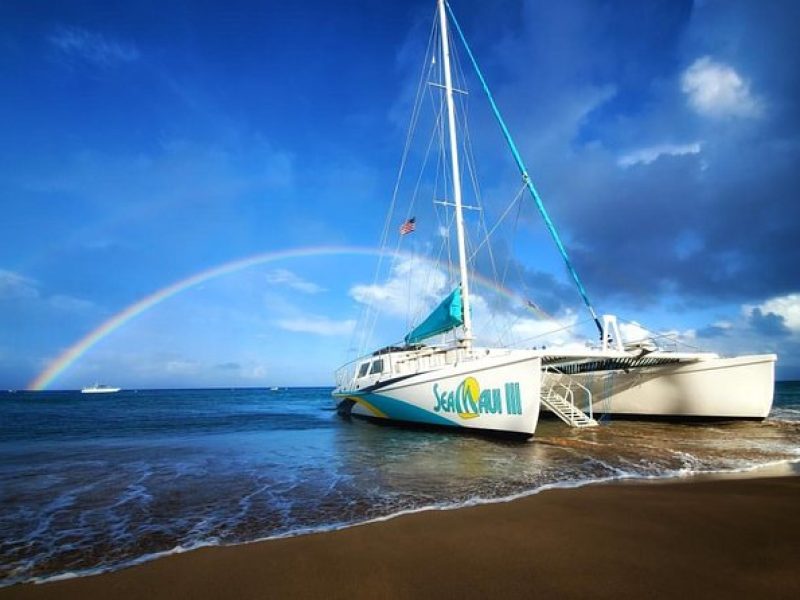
(558, 395)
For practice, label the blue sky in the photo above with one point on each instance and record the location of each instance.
(146, 142)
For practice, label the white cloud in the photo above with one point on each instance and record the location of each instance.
(70, 303)
(650, 154)
(633, 332)
(715, 89)
(515, 328)
(293, 281)
(75, 42)
(687, 335)
(183, 367)
(787, 307)
(547, 332)
(318, 325)
(414, 286)
(13, 285)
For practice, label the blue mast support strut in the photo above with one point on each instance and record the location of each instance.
(525, 177)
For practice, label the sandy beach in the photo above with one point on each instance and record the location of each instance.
(693, 538)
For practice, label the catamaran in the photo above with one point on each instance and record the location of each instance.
(459, 383)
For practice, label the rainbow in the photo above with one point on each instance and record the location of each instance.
(69, 356)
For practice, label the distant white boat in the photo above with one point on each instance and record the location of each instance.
(99, 388)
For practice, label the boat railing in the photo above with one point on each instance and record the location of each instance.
(399, 361)
(668, 343)
(346, 375)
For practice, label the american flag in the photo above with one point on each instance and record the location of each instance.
(408, 226)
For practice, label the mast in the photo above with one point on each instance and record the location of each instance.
(451, 125)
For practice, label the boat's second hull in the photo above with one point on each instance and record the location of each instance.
(720, 388)
(493, 394)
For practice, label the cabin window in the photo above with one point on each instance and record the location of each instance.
(363, 370)
(377, 367)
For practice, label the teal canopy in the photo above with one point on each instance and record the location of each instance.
(448, 315)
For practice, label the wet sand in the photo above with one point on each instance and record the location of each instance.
(690, 538)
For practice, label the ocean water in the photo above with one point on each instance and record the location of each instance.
(98, 482)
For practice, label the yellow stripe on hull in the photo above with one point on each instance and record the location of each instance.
(374, 410)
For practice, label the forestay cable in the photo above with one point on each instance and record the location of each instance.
(525, 177)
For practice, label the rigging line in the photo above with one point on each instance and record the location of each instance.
(446, 183)
(493, 316)
(370, 314)
(482, 227)
(444, 220)
(525, 176)
(470, 168)
(538, 310)
(507, 331)
(518, 316)
(440, 176)
(526, 291)
(416, 113)
(424, 161)
(499, 221)
(504, 331)
(468, 165)
(427, 287)
(656, 335)
(411, 205)
(440, 169)
(564, 328)
(438, 128)
(513, 238)
(450, 218)
(410, 317)
(457, 175)
(471, 165)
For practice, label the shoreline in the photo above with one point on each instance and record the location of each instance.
(783, 468)
(553, 539)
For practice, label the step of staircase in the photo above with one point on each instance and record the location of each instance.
(566, 411)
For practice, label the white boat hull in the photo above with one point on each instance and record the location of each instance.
(108, 390)
(718, 388)
(494, 394)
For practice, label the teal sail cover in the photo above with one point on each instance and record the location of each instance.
(448, 315)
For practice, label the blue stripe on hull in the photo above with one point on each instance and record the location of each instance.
(402, 411)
